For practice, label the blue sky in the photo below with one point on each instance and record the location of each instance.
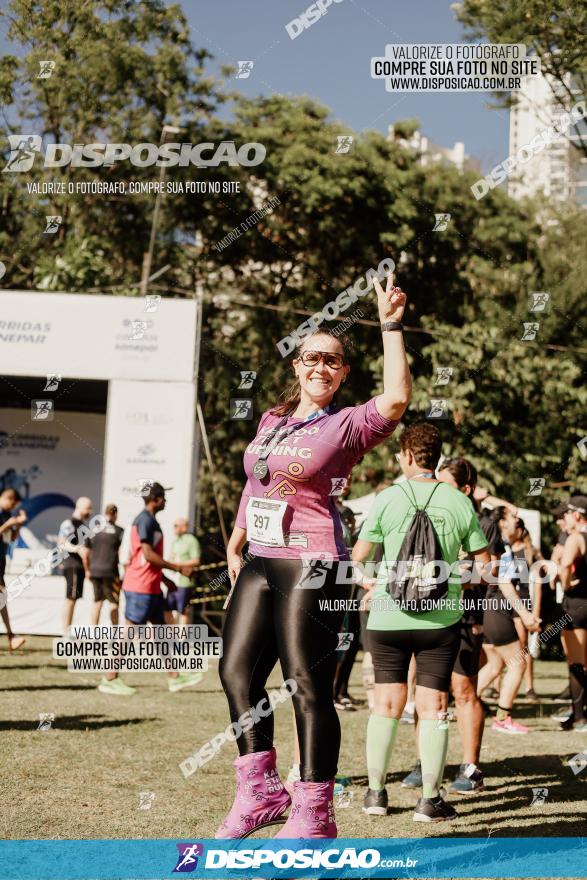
(330, 62)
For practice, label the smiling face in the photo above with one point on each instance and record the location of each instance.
(319, 382)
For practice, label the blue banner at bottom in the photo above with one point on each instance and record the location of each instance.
(438, 857)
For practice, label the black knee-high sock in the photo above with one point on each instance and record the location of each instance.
(577, 684)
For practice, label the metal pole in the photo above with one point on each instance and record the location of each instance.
(212, 473)
(148, 260)
(197, 350)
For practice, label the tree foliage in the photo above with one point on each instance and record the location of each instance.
(555, 30)
(121, 72)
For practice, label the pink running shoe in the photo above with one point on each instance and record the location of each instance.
(312, 812)
(508, 725)
(260, 795)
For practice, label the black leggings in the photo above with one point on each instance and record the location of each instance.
(269, 619)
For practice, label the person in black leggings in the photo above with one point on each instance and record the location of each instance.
(263, 627)
(303, 448)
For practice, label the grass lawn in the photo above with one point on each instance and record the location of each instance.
(82, 778)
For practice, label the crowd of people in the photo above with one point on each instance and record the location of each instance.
(97, 557)
(465, 632)
(290, 594)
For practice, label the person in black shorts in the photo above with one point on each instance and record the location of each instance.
(10, 524)
(573, 575)
(461, 473)
(396, 633)
(102, 566)
(73, 564)
(491, 530)
(529, 590)
(555, 585)
(501, 633)
(557, 551)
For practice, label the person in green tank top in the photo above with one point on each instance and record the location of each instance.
(433, 636)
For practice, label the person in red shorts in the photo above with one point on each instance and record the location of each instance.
(142, 586)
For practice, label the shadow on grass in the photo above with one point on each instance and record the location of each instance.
(531, 767)
(534, 769)
(543, 709)
(50, 687)
(570, 827)
(78, 722)
(31, 666)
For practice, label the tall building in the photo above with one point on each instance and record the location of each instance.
(429, 151)
(559, 170)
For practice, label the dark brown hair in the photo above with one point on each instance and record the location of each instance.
(498, 514)
(424, 442)
(462, 470)
(290, 398)
(10, 491)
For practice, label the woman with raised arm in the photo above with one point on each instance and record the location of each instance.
(303, 448)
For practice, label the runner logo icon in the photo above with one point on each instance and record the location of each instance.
(187, 860)
(23, 148)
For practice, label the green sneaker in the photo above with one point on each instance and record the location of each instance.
(184, 680)
(117, 687)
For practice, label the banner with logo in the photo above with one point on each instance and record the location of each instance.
(440, 857)
(50, 464)
(97, 337)
(150, 438)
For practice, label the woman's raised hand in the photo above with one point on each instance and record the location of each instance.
(391, 301)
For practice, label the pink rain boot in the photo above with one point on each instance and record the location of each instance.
(260, 796)
(312, 812)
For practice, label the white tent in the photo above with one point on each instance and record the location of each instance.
(122, 397)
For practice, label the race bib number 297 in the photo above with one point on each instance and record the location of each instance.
(265, 521)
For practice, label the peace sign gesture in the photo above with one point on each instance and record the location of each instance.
(391, 301)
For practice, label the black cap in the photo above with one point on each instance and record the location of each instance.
(579, 503)
(560, 510)
(157, 491)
